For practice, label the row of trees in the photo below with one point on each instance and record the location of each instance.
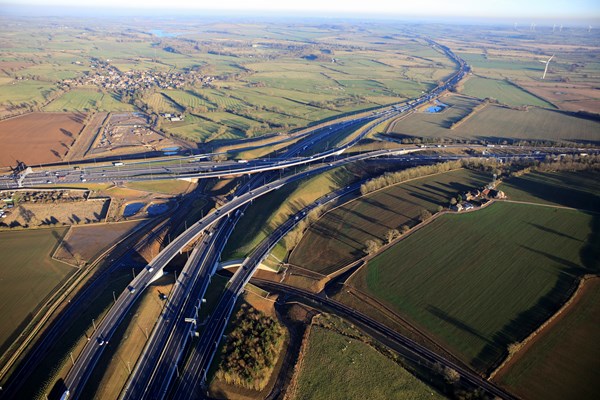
(372, 246)
(392, 178)
(295, 235)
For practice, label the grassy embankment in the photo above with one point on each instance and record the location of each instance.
(265, 214)
(126, 345)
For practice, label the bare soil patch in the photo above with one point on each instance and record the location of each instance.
(72, 213)
(130, 133)
(85, 243)
(38, 138)
(567, 96)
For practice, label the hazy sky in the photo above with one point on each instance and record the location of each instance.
(487, 8)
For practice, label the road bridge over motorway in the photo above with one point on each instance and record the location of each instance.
(89, 356)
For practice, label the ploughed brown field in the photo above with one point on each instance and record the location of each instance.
(38, 138)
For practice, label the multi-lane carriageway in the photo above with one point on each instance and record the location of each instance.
(90, 355)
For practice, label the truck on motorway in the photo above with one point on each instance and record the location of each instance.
(118, 163)
(242, 161)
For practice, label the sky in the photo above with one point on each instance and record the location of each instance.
(589, 9)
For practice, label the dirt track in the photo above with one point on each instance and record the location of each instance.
(86, 139)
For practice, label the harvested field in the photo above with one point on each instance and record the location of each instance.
(562, 361)
(355, 370)
(567, 96)
(339, 237)
(38, 138)
(85, 243)
(521, 261)
(71, 213)
(28, 275)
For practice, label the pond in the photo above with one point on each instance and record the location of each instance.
(161, 33)
(434, 109)
(170, 151)
(132, 209)
(157, 209)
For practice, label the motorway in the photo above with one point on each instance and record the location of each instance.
(192, 167)
(192, 283)
(88, 358)
(158, 363)
(194, 373)
(170, 334)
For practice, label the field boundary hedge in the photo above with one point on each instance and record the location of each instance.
(515, 349)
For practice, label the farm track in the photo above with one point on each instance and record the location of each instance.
(86, 138)
(531, 203)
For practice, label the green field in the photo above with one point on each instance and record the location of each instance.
(570, 189)
(28, 276)
(354, 370)
(481, 281)
(339, 237)
(162, 104)
(498, 123)
(563, 361)
(87, 99)
(280, 78)
(25, 92)
(502, 91)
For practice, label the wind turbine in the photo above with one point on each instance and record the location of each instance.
(589, 28)
(553, 27)
(546, 67)
(560, 29)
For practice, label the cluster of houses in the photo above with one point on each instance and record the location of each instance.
(475, 198)
(6, 204)
(173, 117)
(111, 78)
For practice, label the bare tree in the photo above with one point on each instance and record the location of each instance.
(391, 234)
(451, 376)
(424, 215)
(372, 246)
